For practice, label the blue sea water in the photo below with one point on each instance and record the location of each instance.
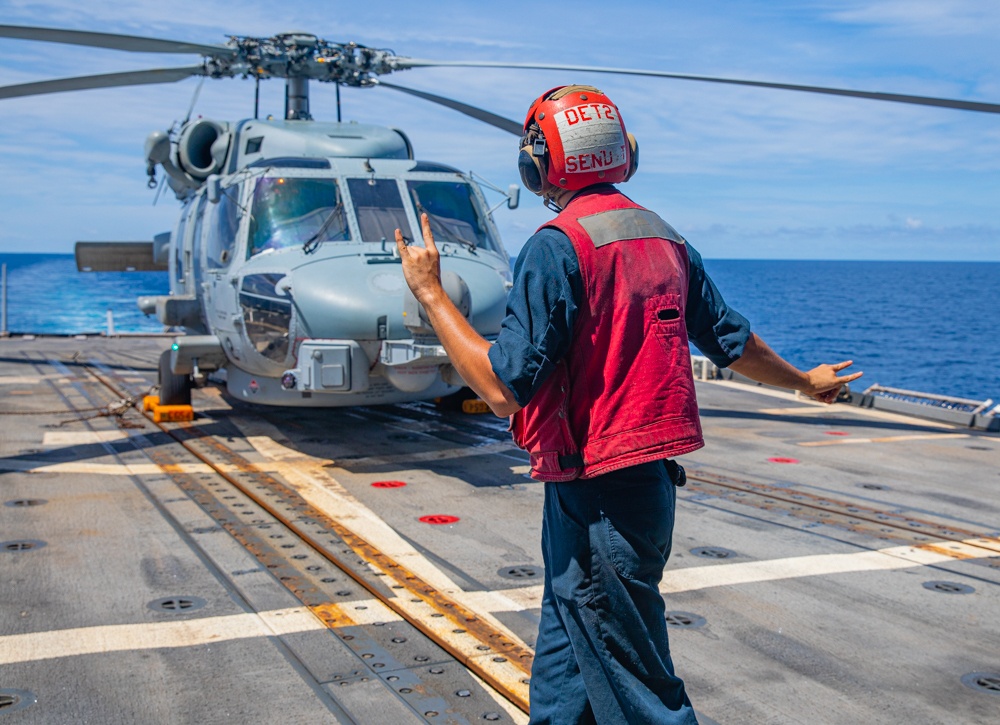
(46, 295)
(928, 326)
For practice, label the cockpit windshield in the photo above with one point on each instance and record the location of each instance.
(290, 212)
(379, 208)
(454, 214)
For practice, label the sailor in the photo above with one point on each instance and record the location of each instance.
(593, 366)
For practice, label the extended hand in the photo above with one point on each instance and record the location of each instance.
(421, 266)
(824, 383)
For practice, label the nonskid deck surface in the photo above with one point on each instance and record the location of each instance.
(830, 564)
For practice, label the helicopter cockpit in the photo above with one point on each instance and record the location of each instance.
(306, 212)
(295, 259)
(294, 212)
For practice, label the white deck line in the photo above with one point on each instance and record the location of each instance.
(719, 575)
(53, 644)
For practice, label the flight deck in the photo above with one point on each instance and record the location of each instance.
(831, 564)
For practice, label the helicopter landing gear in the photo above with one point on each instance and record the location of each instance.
(174, 389)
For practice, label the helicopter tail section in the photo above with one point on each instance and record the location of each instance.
(118, 257)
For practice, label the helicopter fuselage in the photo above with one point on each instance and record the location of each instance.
(284, 269)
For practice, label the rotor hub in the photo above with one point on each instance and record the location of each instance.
(301, 55)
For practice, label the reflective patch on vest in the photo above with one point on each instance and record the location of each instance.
(623, 224)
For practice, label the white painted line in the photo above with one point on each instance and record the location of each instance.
(695, 578)
(801, 410)
(100, 469)
(311, 480)
(54, 644)
(368, 611)
(83, 437)
(752, 572)
(886, 439)
(26, 379)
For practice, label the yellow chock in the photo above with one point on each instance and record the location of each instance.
(475, 406)
(172, 413)
(149, 402)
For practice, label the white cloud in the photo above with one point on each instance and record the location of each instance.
(757, 163)
(926, 17)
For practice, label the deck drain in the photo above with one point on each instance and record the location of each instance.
(21, 545)
(948, 587)
(521, 571)
(176, 605)
(713, 552)
(988, 682)
(11, 700)
(23, 502)
(684, 620)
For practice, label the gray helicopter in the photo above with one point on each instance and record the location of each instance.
(283, 268)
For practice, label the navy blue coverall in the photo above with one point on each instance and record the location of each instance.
(602, 653)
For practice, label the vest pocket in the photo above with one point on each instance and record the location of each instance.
(664, 315)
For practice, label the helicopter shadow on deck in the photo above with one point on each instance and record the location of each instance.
(80, 362)
(75, 453)
(390, 439)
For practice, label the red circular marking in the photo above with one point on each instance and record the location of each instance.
(389, 484)
(837, 433)
(783, 460)
(438, 519)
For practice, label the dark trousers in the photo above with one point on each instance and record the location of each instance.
(602, 654)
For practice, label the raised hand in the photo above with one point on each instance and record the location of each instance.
(825, 384)
(421, 265)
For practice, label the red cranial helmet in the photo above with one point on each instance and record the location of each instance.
(574, 137)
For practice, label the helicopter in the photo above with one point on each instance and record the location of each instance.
(282, 265)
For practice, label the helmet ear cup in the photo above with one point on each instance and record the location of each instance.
(633, 157)
(530, 169)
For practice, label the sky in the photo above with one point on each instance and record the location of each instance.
(742, 173)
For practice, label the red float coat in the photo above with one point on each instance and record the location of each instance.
(624, 392)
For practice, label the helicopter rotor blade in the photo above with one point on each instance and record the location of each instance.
(404, 63)
(108, 80)
(194, 100)
(132, 43)
(504, 124)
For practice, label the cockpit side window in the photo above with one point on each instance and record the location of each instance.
(290, 211)
(453, 213)
(379, 208)
(222, 229)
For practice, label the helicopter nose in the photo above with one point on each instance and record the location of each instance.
(338, 299)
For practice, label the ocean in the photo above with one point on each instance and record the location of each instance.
(927, 326)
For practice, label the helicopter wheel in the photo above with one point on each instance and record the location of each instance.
(174, 389)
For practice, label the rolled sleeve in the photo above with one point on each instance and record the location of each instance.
(541, 311)
(717, 330)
